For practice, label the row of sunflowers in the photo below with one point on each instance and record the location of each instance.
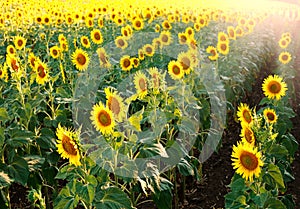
(104, 105)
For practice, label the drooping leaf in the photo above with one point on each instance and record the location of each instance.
(19, 170)
(4, 180)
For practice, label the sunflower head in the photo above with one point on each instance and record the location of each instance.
(103, 119)
(213, 51)
(285, 57)
(125, 63)
(19, 42)
(247, 161)
(247, 134)
(80, 59)
(115, 103)
(244, 114)
(54, 51)
(140, 82)
(175, 70)
(273, 87)
(96, 36)
(68, 144)
(270, 115)
(103, 58)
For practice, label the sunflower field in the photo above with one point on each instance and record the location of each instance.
(119, 104)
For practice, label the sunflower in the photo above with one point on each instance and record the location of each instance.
(165, 38)
(247, 161)
(157, 28)
(270, 115)
(69, 19)
(222, 37)
(175, 70)
(46, 19)
(80, 59)
(115, 103)
(274, 87)
(183, 38)
(140, 83)
(189, 31)
(156, 42)
(284, 57)
(135, 62)
(41, 70)
(10, 49)
(223, 47)
(247, 134)
(244, 114)
(38, 19)
(64, 46)
(100, 22)
(31, 60)
(96, 36)
(239, 31)
(84, 40)
(121, 42)
(141, 54)
(61, 38)
(148, 50)
(68, 144)
(54, 51)
(103, 58)
(231, 32)
(3, 73)
(213, 51)
(197, 27)
(12, 63)
(19, 42)
(126, 63)
(103, 119)
(155, 81)
(138, 24)
(125, 33)
(89, 22)
(166, 25)
(186, 61)
(283, 43)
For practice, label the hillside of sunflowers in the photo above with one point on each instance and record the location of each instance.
(149, 104)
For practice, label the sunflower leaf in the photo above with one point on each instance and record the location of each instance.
(275, 173)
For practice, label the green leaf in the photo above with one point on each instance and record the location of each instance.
(275, 173)
(3, 114)
(163, 196)
(274, 203)
(278, 151)
(34, 162)
(290, 143)
(20, 137)
(112, 198)
(67, 202)
(47, 139)
(4, 180)
(19, 170)
(185, 168)
(2, 138)
(238, 183)
(155, 149)
(85, 191)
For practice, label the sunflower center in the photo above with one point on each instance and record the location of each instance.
(0, 73)
(223, 47)
(142, 84)
(201, 21)
(270, 116)
(248, 135)
(104, 118)
(213, 52)
(274, 87)
(11, 50)
(14, 65)
(176, 70)
(126, 63)
(46, 20)
(32, 60)
(247, 116)
(149, 50)
(85, 41)
(185, 62)
(55, 52)
(114, 105)
(103, 58)
(121, 42)
(81, 59)
(165, 38)
(231, 33)
(283, 42)
(285, 57)
(68, 146)
(138, 24)
(97, 36)
(249, 160)
(223, 38)
(41, 71)
(39, 19)
(183, 38)
(20, 42)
